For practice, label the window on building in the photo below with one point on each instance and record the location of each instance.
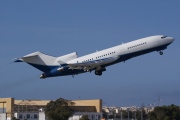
(28, 116)
(35, 116)
(20, 116)
(99, 117)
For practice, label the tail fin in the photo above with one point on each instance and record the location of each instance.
(39, 60)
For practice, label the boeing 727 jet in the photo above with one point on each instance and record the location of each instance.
(71, 64)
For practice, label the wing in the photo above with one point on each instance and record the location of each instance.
(90, 65)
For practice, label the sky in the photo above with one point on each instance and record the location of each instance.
(83, 26)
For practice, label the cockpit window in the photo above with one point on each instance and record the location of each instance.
(163, 37)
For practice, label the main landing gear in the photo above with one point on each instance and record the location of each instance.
(98, 72)
(160, 52)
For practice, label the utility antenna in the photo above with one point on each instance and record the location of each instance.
(159, 101)
(142, 108)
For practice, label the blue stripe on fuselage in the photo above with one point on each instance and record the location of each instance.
(51, 71)
(43, 68)
(135, 54)
(54, 73)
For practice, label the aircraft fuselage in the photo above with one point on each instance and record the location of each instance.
(99, 60)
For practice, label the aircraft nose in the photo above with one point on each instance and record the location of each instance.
(171, 39)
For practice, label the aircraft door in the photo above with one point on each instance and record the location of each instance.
(121, 50)
(160, 42)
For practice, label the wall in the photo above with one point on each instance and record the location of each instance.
(9, 105)
(91, 115)
(2, 116)
(97, 103)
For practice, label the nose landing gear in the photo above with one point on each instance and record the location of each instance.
(160, 52)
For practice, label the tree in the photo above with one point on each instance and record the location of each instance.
(59, 110)
(171, 112)
(14, 118)
(104, 113)
(144, 115)
(84, 117)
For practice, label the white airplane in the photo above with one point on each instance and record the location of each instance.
(71, 64)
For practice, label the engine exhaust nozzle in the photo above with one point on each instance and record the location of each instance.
(42, 76)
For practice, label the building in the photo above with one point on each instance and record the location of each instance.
(29, 109)
(27, 115)
(91, 115)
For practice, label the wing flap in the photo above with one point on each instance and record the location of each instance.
(88, 66)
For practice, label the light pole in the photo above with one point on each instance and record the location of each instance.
(142, 107)
(141, 114)
(128, 112)
(108, 115)
(114, 112)
(121, 113)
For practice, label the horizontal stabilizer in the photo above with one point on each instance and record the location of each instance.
(18, 60)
